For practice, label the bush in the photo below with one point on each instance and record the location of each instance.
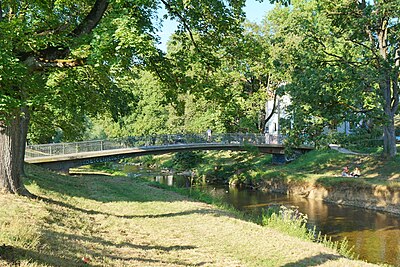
(186, 160)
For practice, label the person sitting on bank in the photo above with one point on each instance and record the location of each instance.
(356, 172)
(346, 171)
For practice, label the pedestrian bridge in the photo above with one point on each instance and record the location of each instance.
(62, 156)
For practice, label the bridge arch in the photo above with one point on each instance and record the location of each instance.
(63, 156)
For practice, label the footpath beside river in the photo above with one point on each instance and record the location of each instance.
(99, 220)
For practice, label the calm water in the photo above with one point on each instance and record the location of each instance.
(374, 235)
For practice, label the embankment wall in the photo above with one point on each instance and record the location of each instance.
(375, 197)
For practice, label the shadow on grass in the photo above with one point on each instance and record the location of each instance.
(383, 171)
(61, 237)
(61, 254)
(14, 256)
(164, 215)
(99, 188)
(101, 249)
(313, 261)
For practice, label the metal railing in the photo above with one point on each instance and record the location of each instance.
(45, 150)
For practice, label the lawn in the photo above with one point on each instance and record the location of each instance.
(103, 220)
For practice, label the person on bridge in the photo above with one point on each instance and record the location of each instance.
(209, 134)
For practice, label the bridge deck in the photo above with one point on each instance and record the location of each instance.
(138, 151)
(62, 156)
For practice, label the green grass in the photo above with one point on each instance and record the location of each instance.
(294, 223)
(104, 220)
(321, 167)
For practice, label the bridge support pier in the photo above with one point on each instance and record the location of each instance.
(279, 159)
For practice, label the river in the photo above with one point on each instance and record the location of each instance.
(374, 235)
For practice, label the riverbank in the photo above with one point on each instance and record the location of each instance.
(378, 188)
(315, 175)
(100, 220)
(349, 193)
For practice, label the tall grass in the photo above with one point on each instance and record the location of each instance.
(294, 223)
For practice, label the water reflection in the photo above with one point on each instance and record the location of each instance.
(374, 235)
(168, 180)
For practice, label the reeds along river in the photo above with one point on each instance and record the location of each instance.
(374, 235)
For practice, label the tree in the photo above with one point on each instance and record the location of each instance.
(73, 53)
(233, 87)
(28, 49)
(343, 60)
(147, 114)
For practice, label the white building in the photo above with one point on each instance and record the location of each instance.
(272, 126)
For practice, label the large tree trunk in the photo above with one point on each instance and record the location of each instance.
(389, 88)
(390, 108)
(12, 151)
(389, 140)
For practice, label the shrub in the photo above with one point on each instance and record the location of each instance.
(186, 160)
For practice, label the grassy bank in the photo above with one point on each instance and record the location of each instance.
(100, 220)
(316, 167)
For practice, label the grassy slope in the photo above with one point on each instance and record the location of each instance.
(324, 167)
(119, 221)
(321, 167)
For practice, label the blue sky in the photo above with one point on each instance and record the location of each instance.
(255, 12)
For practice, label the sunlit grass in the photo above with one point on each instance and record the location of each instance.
(325, 167)
(97, 220)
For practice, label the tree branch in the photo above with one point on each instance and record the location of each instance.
(92, 19)
(273, 108)
(35, 64)
(155, 68)
(55, 56)
(183, 20)
(365, 46)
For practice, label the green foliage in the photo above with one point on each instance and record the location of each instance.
(193, 193)
(186, 160)
(233, 167)
(252, 150)
(206, 82)
(149, 161)
(332, 65)
(232, 89)
(361, 140)
(62, 68)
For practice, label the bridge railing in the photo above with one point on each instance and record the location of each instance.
(230, 138)
(44, 150)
